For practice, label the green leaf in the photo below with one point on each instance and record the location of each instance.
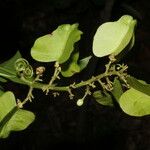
(3, 80)
(135, 103)
(3, 123)
(7, 103)
(126, 49)
(103, 98)
(72, 66)
(57, 46)
(1, 92)
(9, 64)
(132, 41)
(20, 120)
(7, 69)
(11, 117)
(113, 37)
(117, 89)
(84, 62)
(138, 85)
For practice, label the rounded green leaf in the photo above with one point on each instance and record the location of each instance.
(7, 103)
(135, 103)
(20, 120)
(57, 46)
(11, 117)
(113, 37)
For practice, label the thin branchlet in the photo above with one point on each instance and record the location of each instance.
(105, 79)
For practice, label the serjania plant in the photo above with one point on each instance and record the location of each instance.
(111, 38)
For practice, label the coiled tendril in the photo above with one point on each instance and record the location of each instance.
(23, 68)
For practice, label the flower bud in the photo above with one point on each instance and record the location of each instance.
(80, 102)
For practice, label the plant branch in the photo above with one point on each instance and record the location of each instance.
(38, 85)
(119, 71)
(54, 77)
(29, 96)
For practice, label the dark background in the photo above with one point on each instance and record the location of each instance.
(59, 122)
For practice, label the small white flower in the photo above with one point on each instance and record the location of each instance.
(80, 102)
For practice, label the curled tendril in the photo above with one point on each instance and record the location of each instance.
(28, 72)
(21, 64)
(23, 68)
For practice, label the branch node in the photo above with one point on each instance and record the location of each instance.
(71, 95)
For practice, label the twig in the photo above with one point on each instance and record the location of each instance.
(54, 77)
